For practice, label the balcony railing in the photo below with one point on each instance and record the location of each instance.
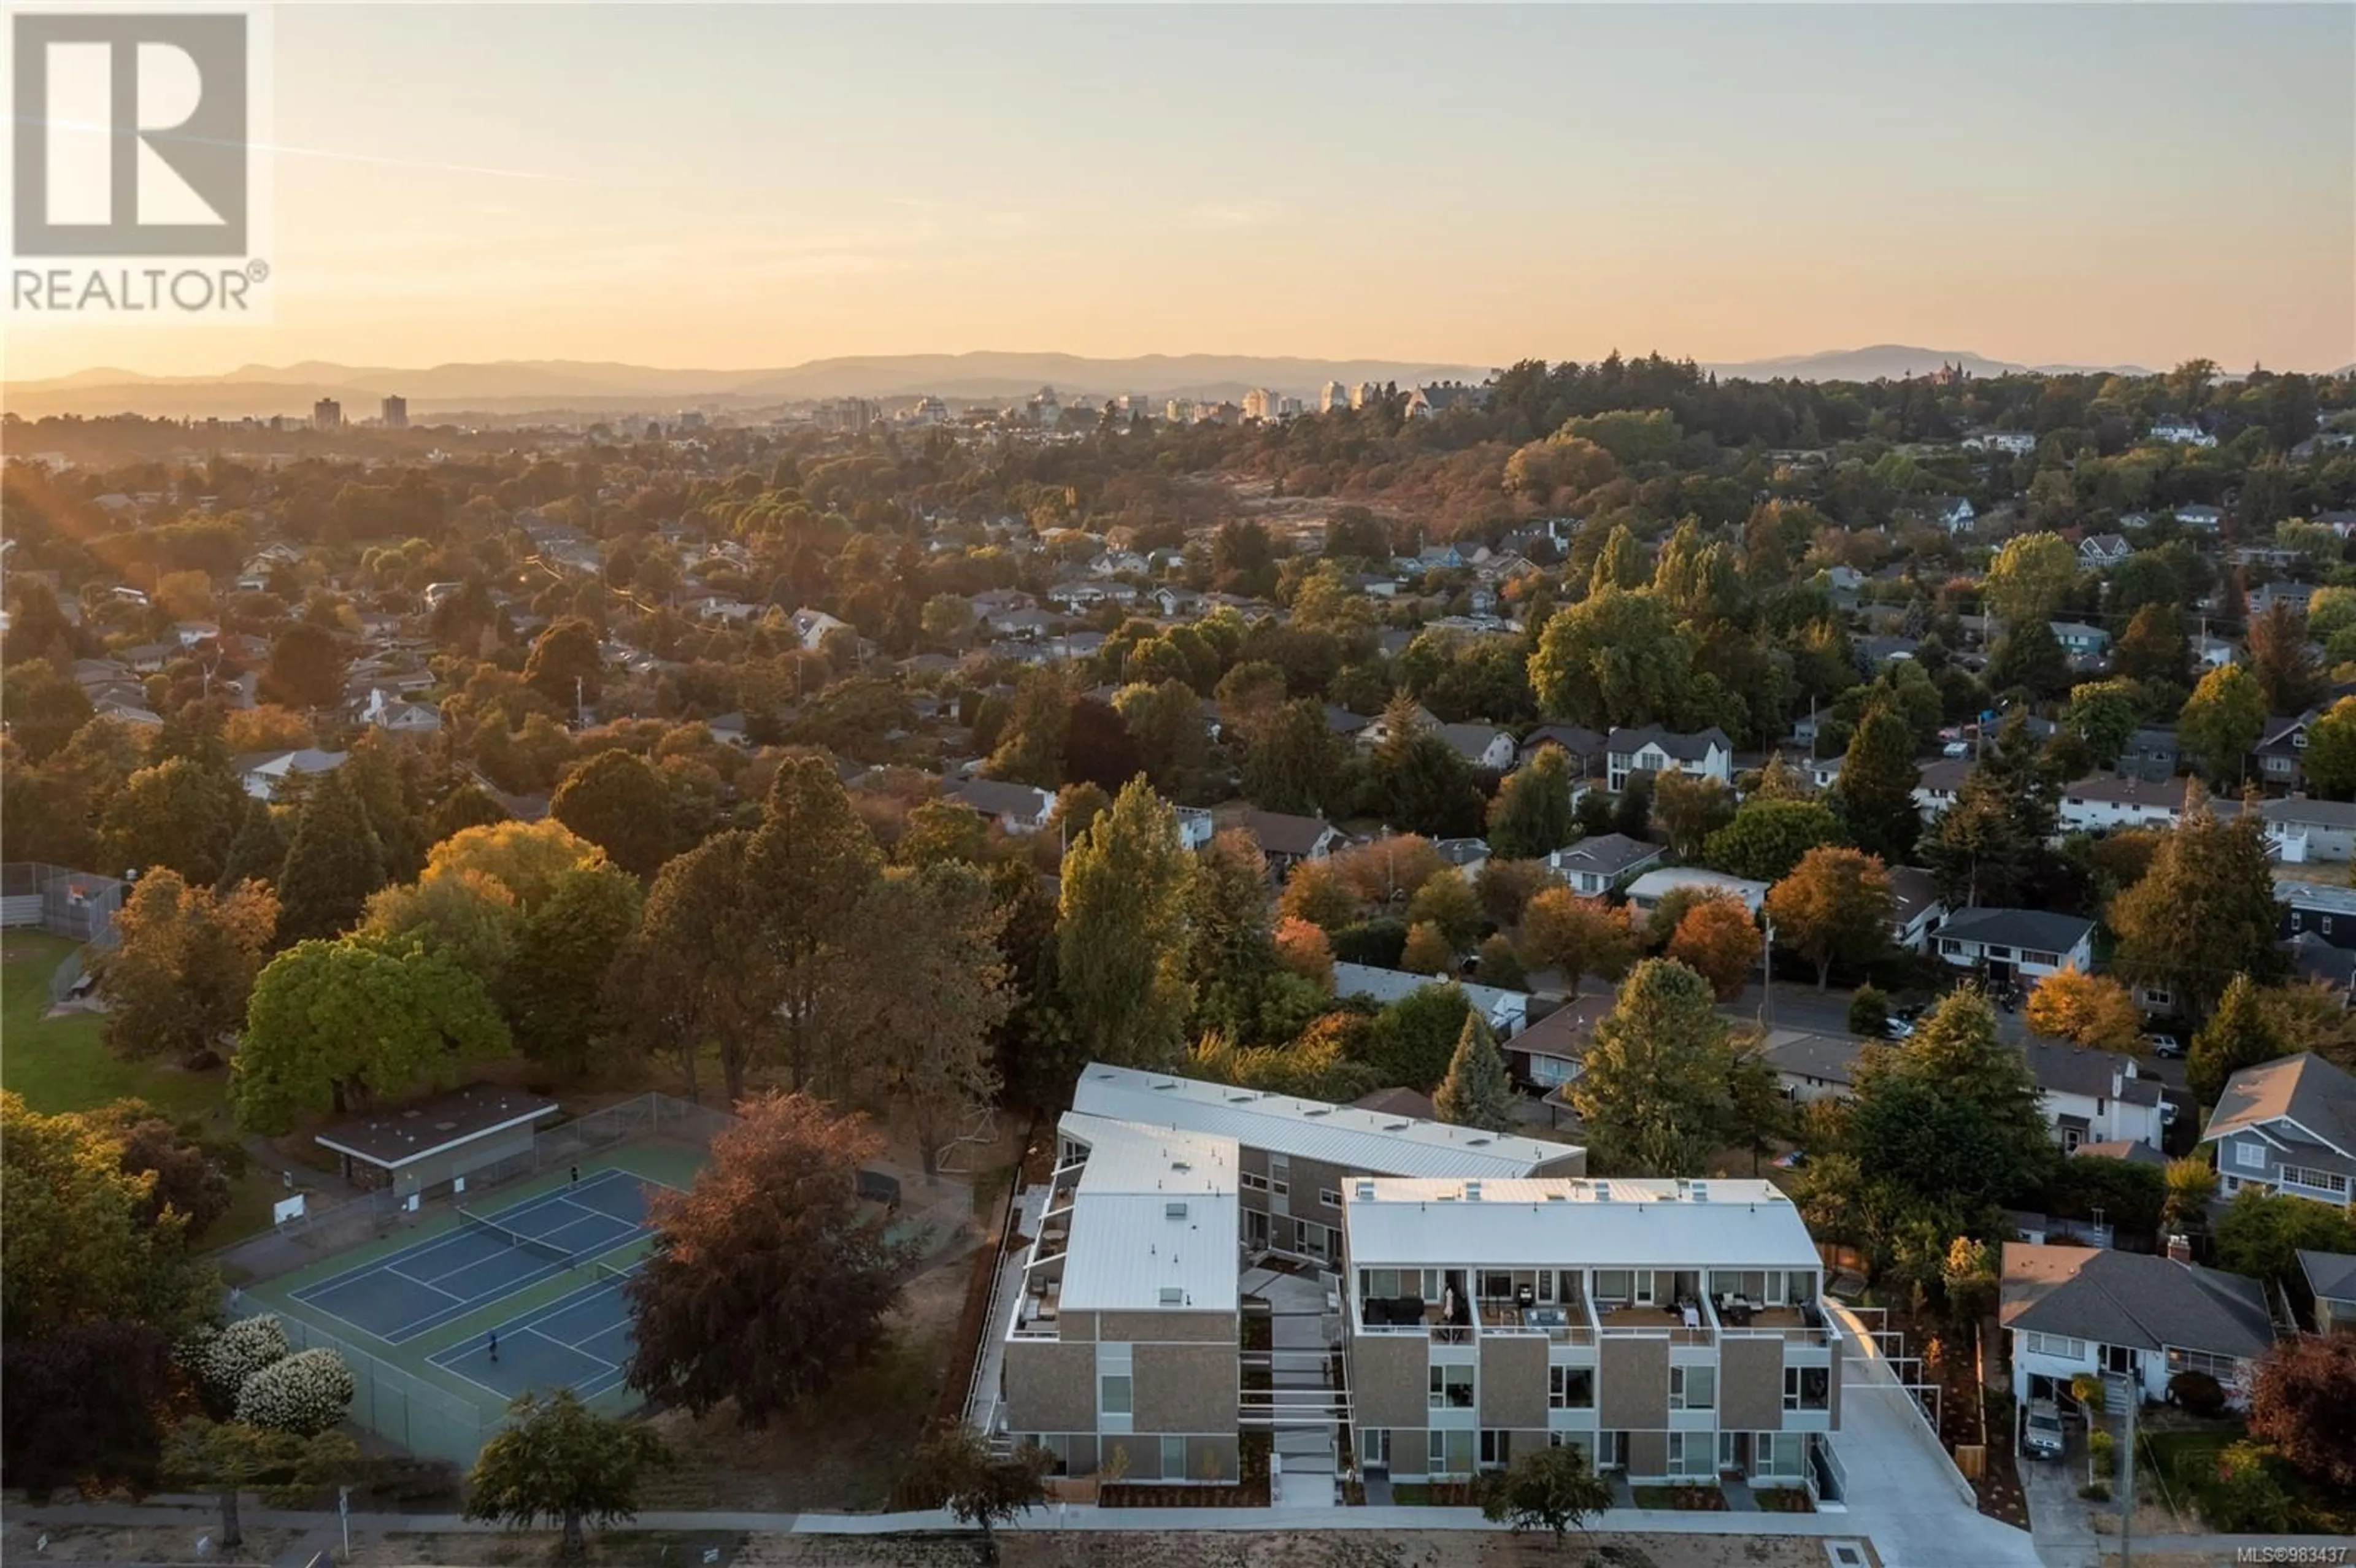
(1560, 1324)
(1679, 1326)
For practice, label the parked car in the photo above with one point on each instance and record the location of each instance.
(2041, 1436)
(1956, 748)
(2167, 1111)
(2164, 1044)
(1895, 1027)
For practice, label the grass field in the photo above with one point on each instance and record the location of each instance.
(62, 1064)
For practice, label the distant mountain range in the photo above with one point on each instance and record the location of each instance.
(514, 387)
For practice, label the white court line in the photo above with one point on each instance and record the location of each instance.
(400, 1273)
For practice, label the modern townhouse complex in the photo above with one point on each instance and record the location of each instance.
(1669, 1329)
(1120, 1349)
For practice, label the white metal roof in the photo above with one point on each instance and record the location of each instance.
(1552, 1223)
(1153, 1220)
(1656, 885)
(1341, 1136)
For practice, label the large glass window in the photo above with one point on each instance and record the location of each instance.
(1570, 1388)
(1173, 1458)
(1614, 1283)
(1451, 1388)
(1113, 1393)
(1693, 1388)
(1807, 1388)
(1447, 1451)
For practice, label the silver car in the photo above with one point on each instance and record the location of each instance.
(2042, 1438)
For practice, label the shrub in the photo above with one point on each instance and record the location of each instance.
(224, 1360)
(2245, 1500)
(305, 1393)
(1375, 941)
(1868, 1012)
(2101, 1448)
(2197, 1394)
(2095, 1492)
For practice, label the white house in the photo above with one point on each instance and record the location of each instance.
(2207, 520)
(2011, 443)
(1653, 750)
(264, 772)
(2017, 944)
(1916, 908)
(1952, 513)
(2095, 1096)
(388, 711)
(2078, 639)
(1647, 890)
(1195, 829)
(1483, 745)
(2096, 552)
(1939, 782)
(1596, 865)
(2089, 1310)
(2179, 431)
(1504, 1011)
(1017, 808)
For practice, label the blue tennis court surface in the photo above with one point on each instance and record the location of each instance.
(420, 1289)
(582, 1341)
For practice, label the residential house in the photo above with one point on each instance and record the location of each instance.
(1938, 784)
(2303, 828)
(1667, 1330)
(2079, 640)
(2095, 1096)
(1599, 864)
(1483, 745)
(1467, 855)
(2201, 520)
(2025, 945)
(399, 715)
(2151, 754)
(812, 626)
(1195, 829)
(1015, 807)
(1916, 908)
(2324, 1287)
(1286, 840)
(1653, 750)
(1952, 513)
(1810, 1066)
(2214, 653)
(1647, 892)
(1582, 748)
(1503, 1010)
(2178, 430)
(1375, 731)
(2279, 748)
(2135, 1152)
(2297, 596)
(2097, 551)
(2071, 1310)
(2315, 961)
(1341, 721)
(2011, 443)
(264, 772)
(1552, 1052)
(2287, 1126)
(2099, 803)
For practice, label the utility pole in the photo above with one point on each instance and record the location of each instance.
(580, 713)
(1767, 974)
(2127, 1475)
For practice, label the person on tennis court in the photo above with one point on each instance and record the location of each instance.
(576, 1176)
(495, 1347)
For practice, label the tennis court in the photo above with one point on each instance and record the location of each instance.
(420, 1289)
(582, 1341)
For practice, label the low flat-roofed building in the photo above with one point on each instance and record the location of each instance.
(416, 1147)
(1121, 1346)
(1669, 1329)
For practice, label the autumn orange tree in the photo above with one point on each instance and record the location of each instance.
(1718, 939)
(767, 1280)
(1835, 907)
(1577, 936)
(2084, 1010)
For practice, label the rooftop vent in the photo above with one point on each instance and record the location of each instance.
(1699, 1192)
(1318, 1111)
(1558, 1197)
(1241, 1099)
(1478, 1143)
(1172, 1296)
(1365, 1193)
(1174, 1211)
(1394, 1126)
(1603, 1192)
(1172, 1083)
(1472, 1192)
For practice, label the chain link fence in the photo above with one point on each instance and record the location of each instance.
(78, 905)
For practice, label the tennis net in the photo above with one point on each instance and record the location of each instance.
(513, 1238)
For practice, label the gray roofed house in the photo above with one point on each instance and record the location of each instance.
(2094, 1096)
(2149, 755)
(1552, 1052)
(2104, 550)
(1584, 746)
(2329, 1283)
(1654, 750)
(2083, 1309)
(2025, 943)
(1916, 907)
(1601, 862)
(1505, 1010)
(1483, 745)
(1286, 839)
(1815, 1066)
(1016, 807)
(2317, 962)
(2287, 1126)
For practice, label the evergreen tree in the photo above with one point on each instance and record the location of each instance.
(1874, 791)
(2241, 1033)
(333, 863)
(258, 853)
(1123, 946)
(1655, 1094)
(1476, 1092)
(1531, 814)
(2205, 911)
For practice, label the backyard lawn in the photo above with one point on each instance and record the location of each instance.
(62, 1064)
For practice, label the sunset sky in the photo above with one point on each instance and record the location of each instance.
(735, 187)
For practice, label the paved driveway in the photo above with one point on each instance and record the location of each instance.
(2057, 1515)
